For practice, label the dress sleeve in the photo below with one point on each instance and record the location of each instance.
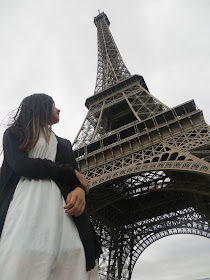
(37, 168)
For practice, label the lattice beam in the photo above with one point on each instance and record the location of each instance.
(143, 209)
(111, 68)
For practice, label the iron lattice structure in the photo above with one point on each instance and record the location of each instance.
(148, 164)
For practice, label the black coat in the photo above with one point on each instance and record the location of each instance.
(17, 164)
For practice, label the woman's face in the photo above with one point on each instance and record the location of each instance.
(55, 114)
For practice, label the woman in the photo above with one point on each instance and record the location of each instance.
(45, 231)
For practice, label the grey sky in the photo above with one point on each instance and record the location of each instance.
(51, 46)
(177, 257)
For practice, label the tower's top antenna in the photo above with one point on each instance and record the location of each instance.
(111, 68)
(101, 16)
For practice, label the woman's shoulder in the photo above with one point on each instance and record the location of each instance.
(11, 136)
(11, 132)
(7, 131)
(62, 140)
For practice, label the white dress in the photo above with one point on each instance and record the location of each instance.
(39, 240)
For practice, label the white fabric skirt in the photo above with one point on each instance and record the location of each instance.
(39, 240)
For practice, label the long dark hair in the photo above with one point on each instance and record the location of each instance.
(33, 114)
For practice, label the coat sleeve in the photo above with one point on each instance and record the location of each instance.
(75, 165)
(37, 168)
(66, 155)
(73, 160)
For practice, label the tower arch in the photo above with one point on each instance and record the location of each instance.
(141, 247)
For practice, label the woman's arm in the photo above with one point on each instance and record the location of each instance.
(83, 181)
(32, 168)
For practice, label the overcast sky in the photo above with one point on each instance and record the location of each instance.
(50, 46)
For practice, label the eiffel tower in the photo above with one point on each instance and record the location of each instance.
(148, 164)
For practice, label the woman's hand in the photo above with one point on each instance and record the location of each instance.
(75, 202)
(83, 181)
